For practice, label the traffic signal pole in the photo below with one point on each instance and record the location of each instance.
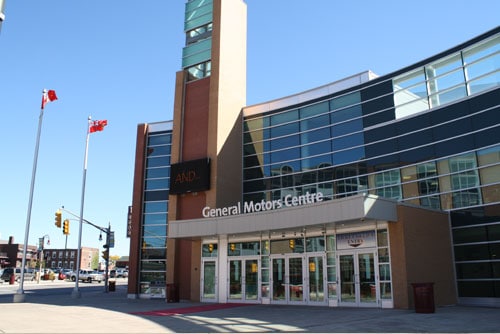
(108, 232)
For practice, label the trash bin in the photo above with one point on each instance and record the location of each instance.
(112, 285)
(172, 293)
(423, 294)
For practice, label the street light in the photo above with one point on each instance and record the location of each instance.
(41, 242)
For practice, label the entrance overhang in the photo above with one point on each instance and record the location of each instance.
(354, 209)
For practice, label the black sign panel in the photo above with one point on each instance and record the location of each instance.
(190, 176)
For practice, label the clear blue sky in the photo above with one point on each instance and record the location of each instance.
(116, 60)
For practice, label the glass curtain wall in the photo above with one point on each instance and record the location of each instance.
(429, 136)
(155, 207)
(423, 158)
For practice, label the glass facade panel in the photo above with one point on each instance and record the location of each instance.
(152, 266)
(420, 152)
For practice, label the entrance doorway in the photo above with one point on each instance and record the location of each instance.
(298, 279)
(209, 285)
(243, 279)
(358, 278)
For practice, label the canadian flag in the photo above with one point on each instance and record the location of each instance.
(48, 96)
(97, 125)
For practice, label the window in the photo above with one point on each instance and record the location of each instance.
(464, 181)
(428, 184)
(199, 71)
(196, 34)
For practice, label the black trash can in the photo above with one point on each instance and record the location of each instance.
(112, 285)
(172, 293)
(423, 295)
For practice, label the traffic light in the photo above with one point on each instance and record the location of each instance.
(291, 243)
(210, 248)
(66, 227)
(58, 218)
(105, 254)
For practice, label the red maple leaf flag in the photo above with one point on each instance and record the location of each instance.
(97, 125)
(48, 96)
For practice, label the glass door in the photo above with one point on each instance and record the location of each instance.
(235, 280)
(243, 279)
(367, 281)
(287, 279)
(358, 279)
(251, 279)
(278, 290)
(209, 281)
(316, 290)
(295, 280)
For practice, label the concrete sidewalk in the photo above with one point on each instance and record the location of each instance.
(99, 312)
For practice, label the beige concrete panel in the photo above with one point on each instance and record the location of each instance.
(428, 252)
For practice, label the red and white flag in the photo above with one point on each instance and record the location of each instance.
(48, 96)
(97, 125)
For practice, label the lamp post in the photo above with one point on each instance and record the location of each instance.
(41, 242)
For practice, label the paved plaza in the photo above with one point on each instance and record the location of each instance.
(99, 312)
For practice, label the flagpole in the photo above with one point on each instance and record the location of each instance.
(19, 295)
(76, 292)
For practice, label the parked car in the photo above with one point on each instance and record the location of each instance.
(28, 274)
(88, 276)
(119, 272)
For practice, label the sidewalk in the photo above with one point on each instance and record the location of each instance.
(113, 312)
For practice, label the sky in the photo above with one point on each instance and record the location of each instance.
(116, 60)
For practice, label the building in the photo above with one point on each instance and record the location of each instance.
(11, 254)
(343, 195)
(66, 258)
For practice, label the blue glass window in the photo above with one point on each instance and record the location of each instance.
(155, 242)
(315, 122)
(316, 148)
(314, 136)
(152, 173)
(347, 127)
(158, 150)
(155, 219)
(352, 155)
(284, 117)
(155, 230)
(157, 162)
(283, 130)
(347, 141)
(314, 109)
(285, 142)
(285, 155)
(155, 184)
(150, 207)
(315, 162)
(159, 139)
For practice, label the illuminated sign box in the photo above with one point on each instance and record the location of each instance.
(190, 176)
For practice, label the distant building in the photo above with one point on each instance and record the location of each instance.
(11, 254)
(66, 258)
(122, 262)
